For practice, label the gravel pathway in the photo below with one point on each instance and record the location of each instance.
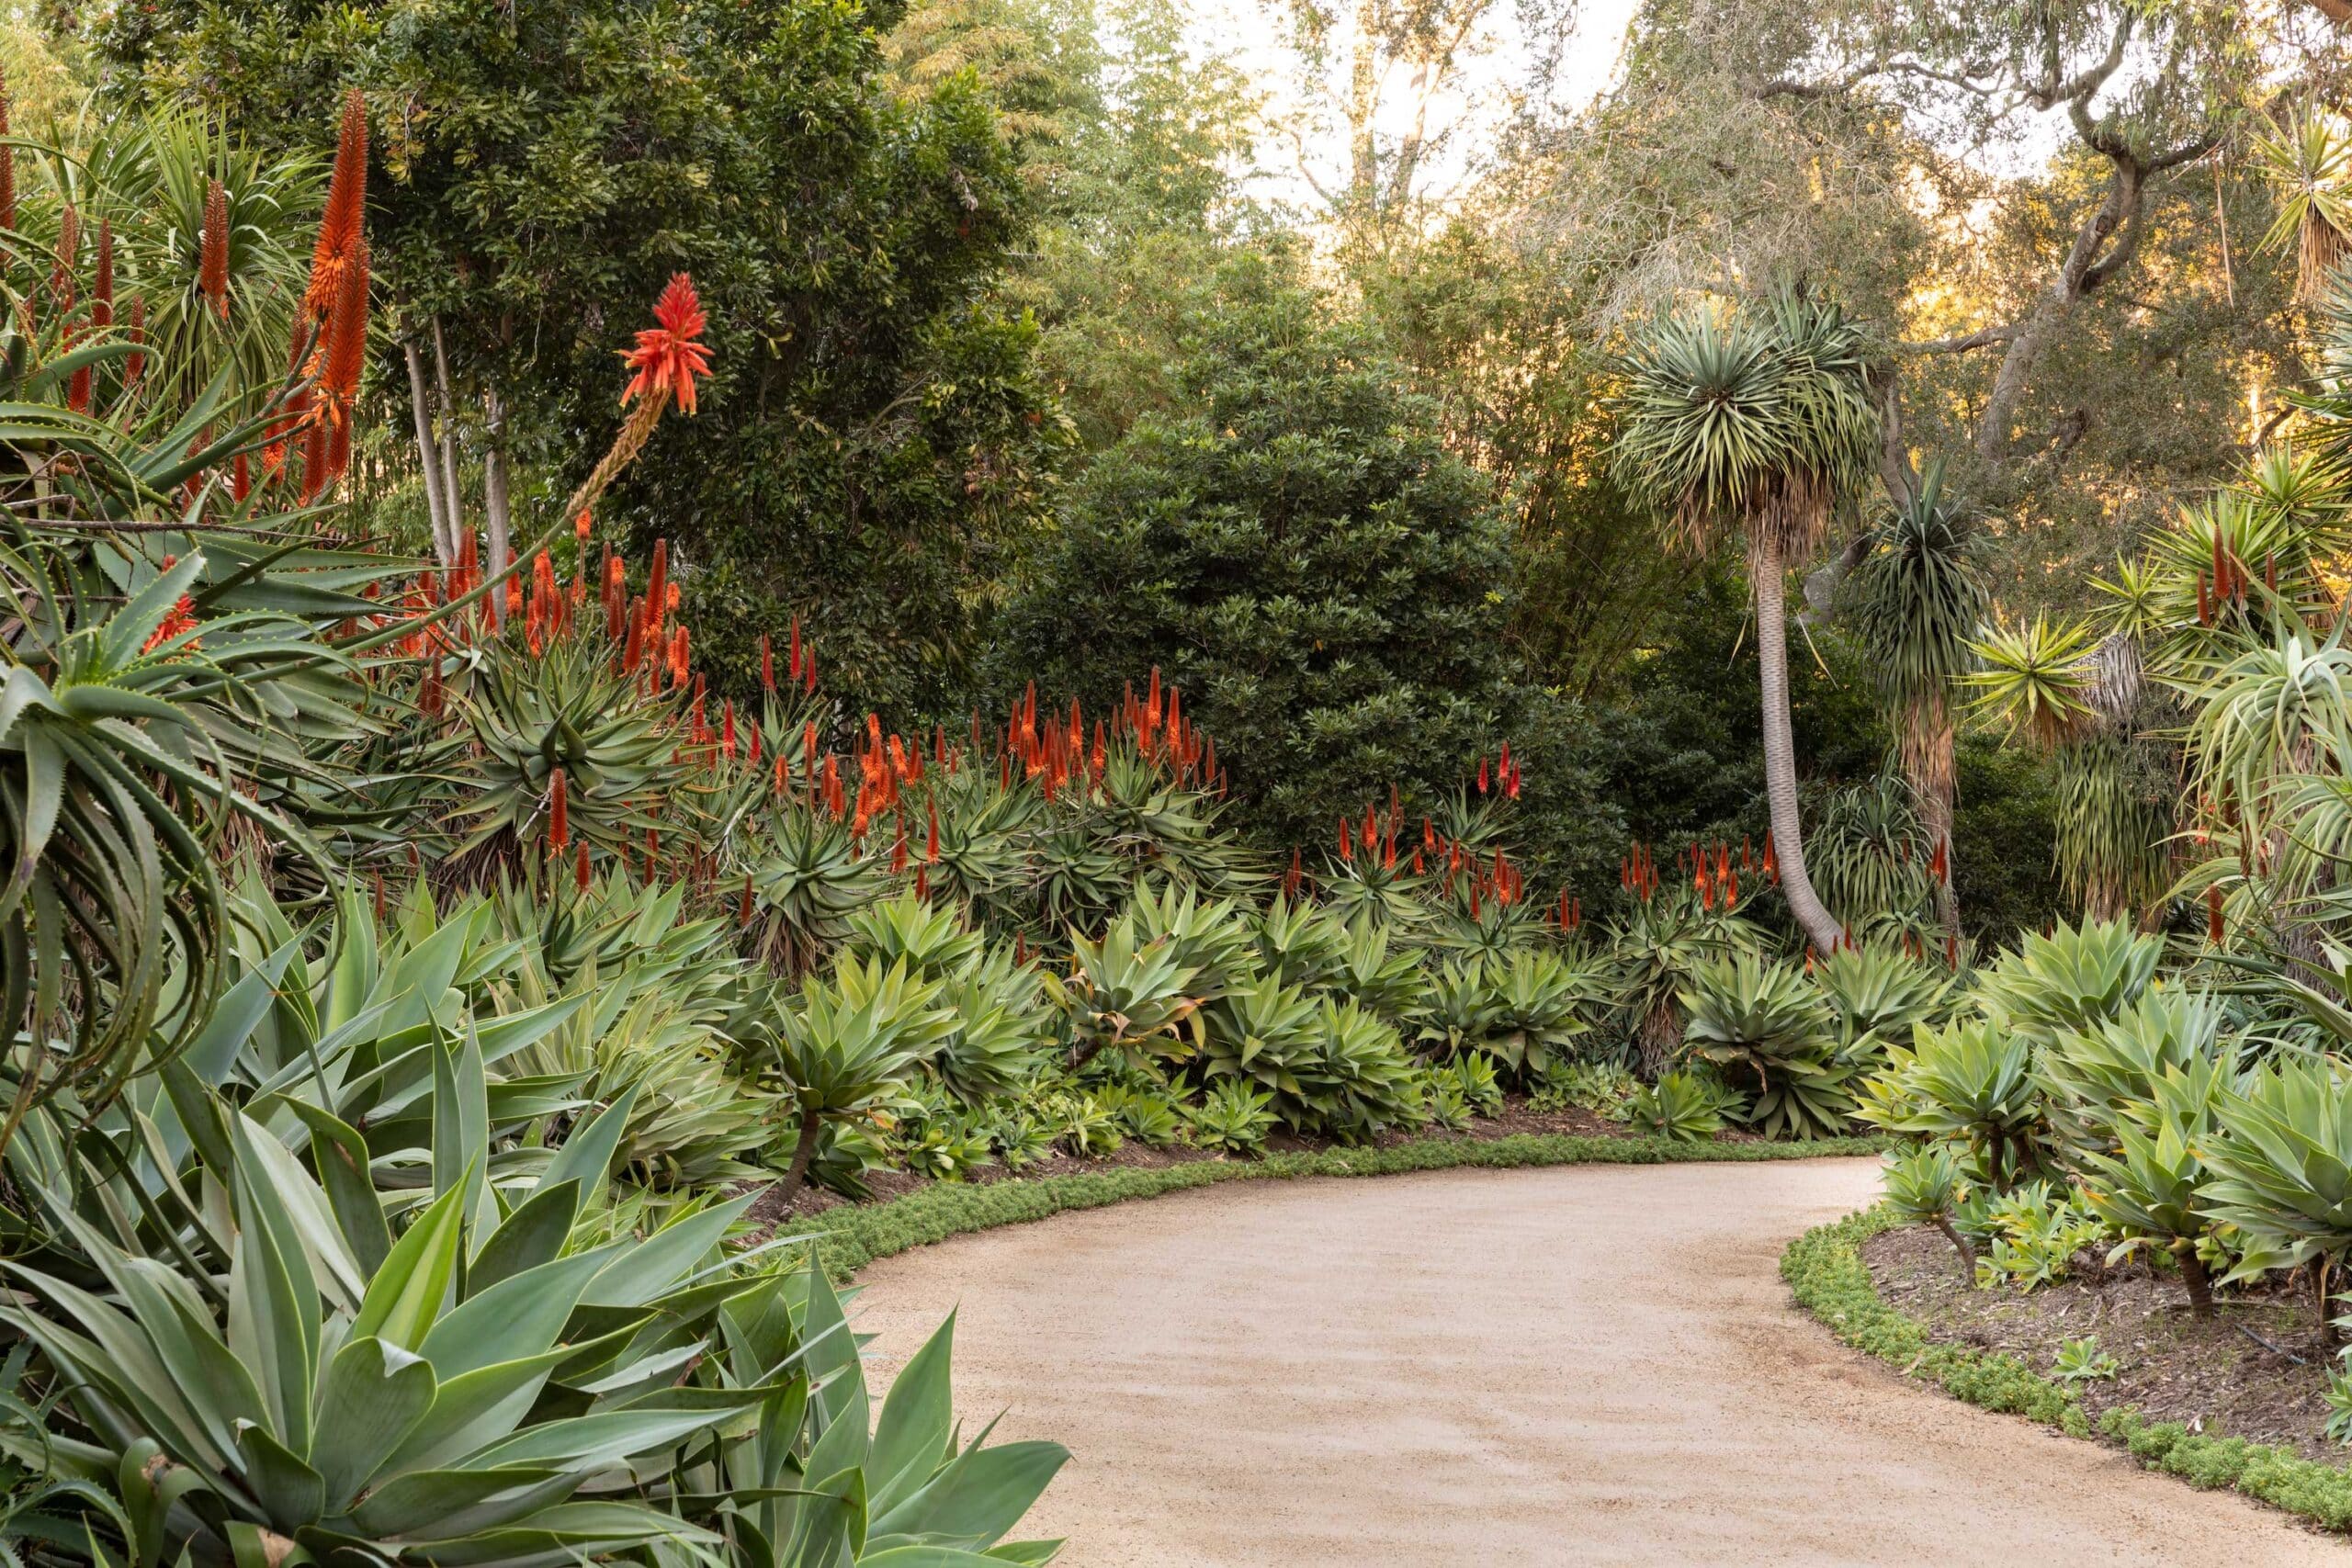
(1586, 1364)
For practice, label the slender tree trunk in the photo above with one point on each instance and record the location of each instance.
(2200, 1283)
(2328, 1336)
(1927, 759)
(451, 495)
(1779, 747)
(444, 533)
(494, 488)
(802, 1151)
(1959, 1244)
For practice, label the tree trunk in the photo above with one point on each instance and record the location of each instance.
(1928, 758)
(495, 488)
(2200, 1283)
(802, 1151)
(1959, 1244)
(1779, 747)
(445, 532)
(2329, 1338)
(451, 496)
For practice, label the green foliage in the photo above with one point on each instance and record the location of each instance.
(2081, 1360)
(1972, 1080)
(1233, 1117)
(1772, 1037)
(1295, 548)
(2281, 1166)
(842, 232)
(2031, 1232)
(1685, 1106)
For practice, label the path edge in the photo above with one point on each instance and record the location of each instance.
(849, 1237)
(1825, 1270)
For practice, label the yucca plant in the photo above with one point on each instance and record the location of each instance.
(1876, 857)
(1756, 420)
(2306, 157)
(1772, 1037)
(1918, 597)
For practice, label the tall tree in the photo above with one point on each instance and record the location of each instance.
(1919, 599)
(874, 433)
(1756, 422)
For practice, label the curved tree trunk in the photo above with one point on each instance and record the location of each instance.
(1779, 745)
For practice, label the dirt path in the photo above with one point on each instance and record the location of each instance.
(1582, 1365)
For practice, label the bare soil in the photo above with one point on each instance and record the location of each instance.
(1585, 1365)
(2254, 1369)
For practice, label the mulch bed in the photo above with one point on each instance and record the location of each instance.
(1516, 1118)
(2212, 1376)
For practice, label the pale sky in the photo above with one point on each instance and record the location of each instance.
(1251, 32)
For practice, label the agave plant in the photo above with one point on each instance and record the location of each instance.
(1924, 1185)
(1124, 993)
(1356, 1079)
(2151, 1188)
(1972, 1081)
(1771, 1036)
(2280, 1170)
(1682, 1106)
(1882, 991)
(845, 1044)
(1259, 1032)
(489, 1385)
(2075, 977)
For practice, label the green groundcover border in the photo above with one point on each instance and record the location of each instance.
(1824, 1269)
(851, 1236)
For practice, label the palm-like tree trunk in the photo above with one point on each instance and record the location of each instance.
(1780, 744)
(1928, 759)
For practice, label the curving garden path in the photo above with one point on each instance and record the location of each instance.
(1590, 1364)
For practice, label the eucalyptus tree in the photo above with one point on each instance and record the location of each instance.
(1919, 595)
(1755, 422)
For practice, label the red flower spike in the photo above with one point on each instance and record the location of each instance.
(2213, 915)
(212, 264)
(669, 355)
(580, 868)
(346, 215)
(767, 665)
(1482, 775)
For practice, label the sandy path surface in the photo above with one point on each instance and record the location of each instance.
(1586, 1364)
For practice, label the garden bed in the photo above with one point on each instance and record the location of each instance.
(918, 1211)
(1834, 1269)
(1517, 1119)
(2209, 1375)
